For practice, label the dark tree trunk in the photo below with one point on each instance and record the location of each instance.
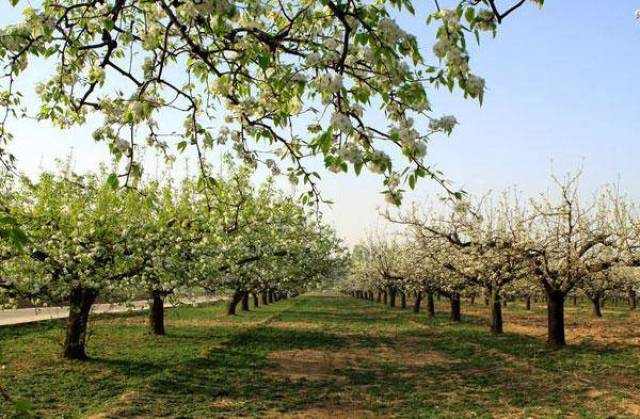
(575, 300)
(431, 307)
(245, 301)
(156, 313)
(403, 300)
(233, 303)
(264, 297)
(472, 299)
(392, 297)
(80, 302)
(486, 300)
(455, 307)
(555, 317)
(256, 304)
(632, 300)
(416, 303)
(386, 297)
(596, 306)
(379, 297)
(271, 296)
(527, 303)
(504, 302)
(496, 313)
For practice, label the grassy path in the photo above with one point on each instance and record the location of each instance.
(314, 356)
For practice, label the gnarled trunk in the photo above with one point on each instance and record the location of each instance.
(455, 307)
(416, 303)
(156, 313)
(80, 302)
(555, 318)
(496, 312)
(233, 303)
(245, 301)
(431, 307)
(596, 306)
(392, 297)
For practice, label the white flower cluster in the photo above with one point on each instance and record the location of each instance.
(96, 74)
(447, 46)
(194, 8)
(390, 31)
(341, 122)
(378, 162)
(351, 153)
(393, 195)
(329, 84)
(409, 138)
(475, 86)
(444, 124)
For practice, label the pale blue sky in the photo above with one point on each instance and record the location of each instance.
(562, 86)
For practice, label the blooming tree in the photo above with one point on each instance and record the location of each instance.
(300, 77)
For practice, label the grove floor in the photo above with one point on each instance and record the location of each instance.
(328, 355)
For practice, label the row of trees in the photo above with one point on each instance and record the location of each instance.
(89, 238)
(554, 245)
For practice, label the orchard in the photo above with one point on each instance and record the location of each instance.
(287, 209)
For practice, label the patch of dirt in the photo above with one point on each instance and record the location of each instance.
(314, 365)
(328, 412)
(308, 364)
(207, 323)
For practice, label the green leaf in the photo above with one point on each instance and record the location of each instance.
(113, 181)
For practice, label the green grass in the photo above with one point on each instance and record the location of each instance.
(326, 355)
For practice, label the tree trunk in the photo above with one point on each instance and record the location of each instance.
(496, 313)
(596, 306)
(416, 303)
(156, 313)
(264, 297)
(270, 296)
(392, 297)
(575, 300)
(431, 307)
(472, 299)
(255, 300)
(455, 307)
(233, 303)
(386, 297)
(379, 297)
(403, 300)
(245, 301)
(80, 302)
(555, 319)
(528, 303)
(632, 300)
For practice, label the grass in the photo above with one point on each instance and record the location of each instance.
(325, 355)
